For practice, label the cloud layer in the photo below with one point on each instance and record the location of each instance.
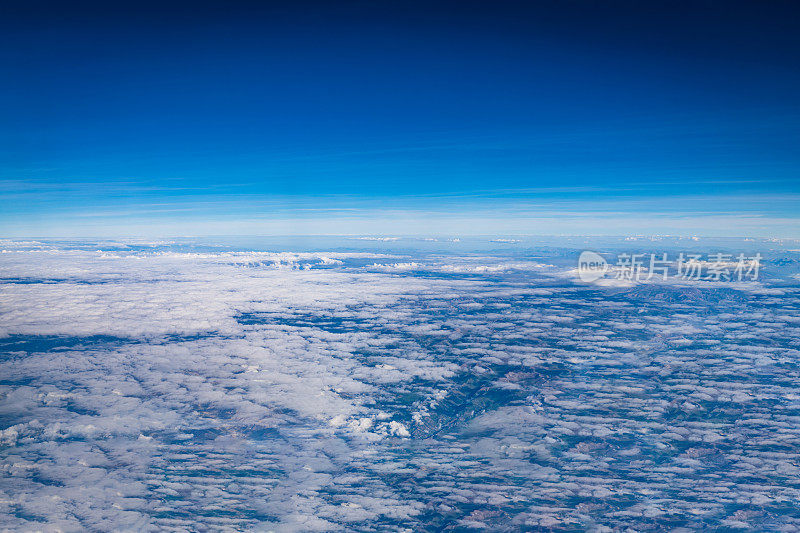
(170, 390)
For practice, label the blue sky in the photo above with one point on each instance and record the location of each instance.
(468, 117)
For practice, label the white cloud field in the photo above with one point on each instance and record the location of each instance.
(159, 387)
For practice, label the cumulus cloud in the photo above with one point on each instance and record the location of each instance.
(155, 388)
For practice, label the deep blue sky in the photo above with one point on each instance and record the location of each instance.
(225, 117)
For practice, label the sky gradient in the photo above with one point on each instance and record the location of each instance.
(389, 117)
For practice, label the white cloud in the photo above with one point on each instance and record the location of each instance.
(173, 390)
